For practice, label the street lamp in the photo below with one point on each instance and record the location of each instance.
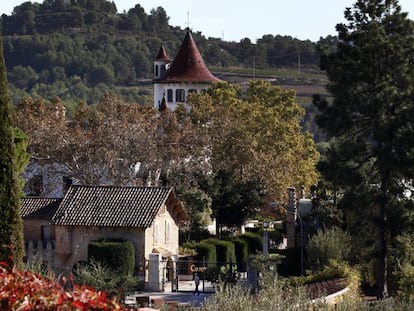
(266, 226)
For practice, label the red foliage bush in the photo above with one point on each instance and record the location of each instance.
(24, 290)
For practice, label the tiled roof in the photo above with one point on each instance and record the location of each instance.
(188, 65)
(162, 54)
(41, 208)
(110, 206)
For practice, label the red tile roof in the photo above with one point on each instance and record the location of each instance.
(111, 206)
(188, 65)
(162, 54)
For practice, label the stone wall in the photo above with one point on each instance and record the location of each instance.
(72, 243)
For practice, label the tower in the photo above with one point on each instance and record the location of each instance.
(187, 73)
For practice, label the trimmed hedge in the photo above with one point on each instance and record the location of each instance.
(117, 255)
(254, 242)
(205, 251)
(224, 249)
(242, 253)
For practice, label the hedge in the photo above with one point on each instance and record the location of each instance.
(242, 253)
(117, 255)
(205, 251)
(224, 249)
(254, 242)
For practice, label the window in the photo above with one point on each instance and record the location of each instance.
(156, 70)
(192, 91)
(167, 232)
(170, 96)
(180, 95)
(163, 69)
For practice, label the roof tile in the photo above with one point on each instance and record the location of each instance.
(110, 206)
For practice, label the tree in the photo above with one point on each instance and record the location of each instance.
(233, 200)
(257, 136)
(11, 230)
(371, 74)
(108, 144)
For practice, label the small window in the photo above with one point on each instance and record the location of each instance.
(156, 70)
(170, 95)
(180, 95)
(163, 70)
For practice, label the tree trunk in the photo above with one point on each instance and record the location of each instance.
(382, 263)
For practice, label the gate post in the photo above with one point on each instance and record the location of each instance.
(174, 279)
(154, 273)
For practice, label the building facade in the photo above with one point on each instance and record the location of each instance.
(175, 79)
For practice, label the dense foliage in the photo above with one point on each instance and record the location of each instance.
(23, 290)
(256, 142)
(370, 163)
(103, 278)
(79, 49)
(11, 165)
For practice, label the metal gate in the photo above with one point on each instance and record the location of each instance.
(211, 274)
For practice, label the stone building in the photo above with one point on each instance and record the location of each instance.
(149, 217)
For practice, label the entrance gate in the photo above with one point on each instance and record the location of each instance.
(210, 274)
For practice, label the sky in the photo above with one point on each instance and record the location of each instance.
(233, 20)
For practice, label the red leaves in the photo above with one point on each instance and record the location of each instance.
(24, 290)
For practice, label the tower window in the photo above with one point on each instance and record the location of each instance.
(156, 70)
(180, 95)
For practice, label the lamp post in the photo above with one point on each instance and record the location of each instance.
(266, 226)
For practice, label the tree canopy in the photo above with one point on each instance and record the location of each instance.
(371, 74)
(257, 135)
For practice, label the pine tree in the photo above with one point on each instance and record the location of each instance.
(371, 78)
(11, 233)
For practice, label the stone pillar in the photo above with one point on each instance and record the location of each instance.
(291, 218)
(154, 273)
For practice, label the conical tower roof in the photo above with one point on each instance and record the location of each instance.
(188, 65)
(162, 54)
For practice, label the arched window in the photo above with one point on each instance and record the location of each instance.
(156, 70)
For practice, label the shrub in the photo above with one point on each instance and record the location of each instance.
(242, 253)
(224, 249)
(117, 255)
(204, 251)
(24, 290)
(402, 263)
(333, 244)
(104, 278)
(254, 242)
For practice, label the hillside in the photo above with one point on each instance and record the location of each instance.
(80, 50)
